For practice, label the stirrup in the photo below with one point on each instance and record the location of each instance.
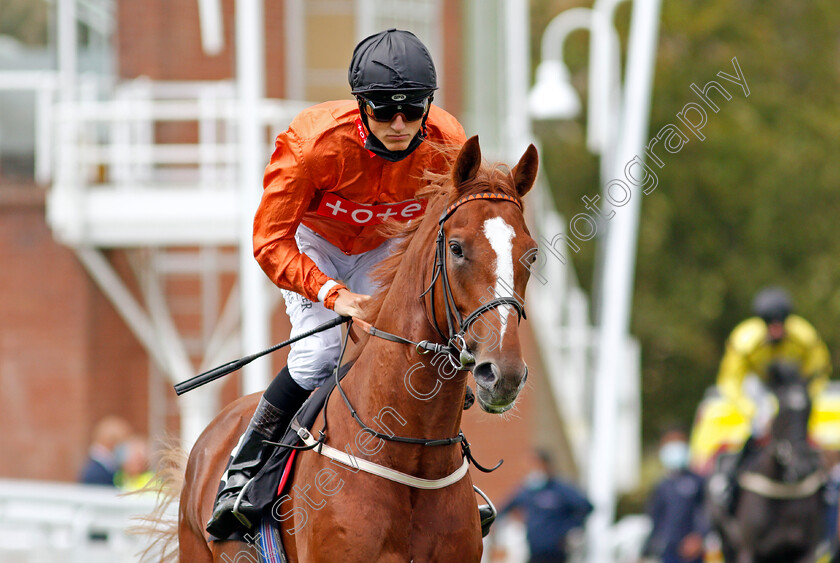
(486, 512)
(235, 510)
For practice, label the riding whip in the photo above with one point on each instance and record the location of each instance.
(232, 366)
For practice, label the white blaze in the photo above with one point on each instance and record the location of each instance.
(500, 235)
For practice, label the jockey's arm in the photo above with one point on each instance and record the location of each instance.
(733, 368)
(816, 364)
(735, 365)
(288, 191)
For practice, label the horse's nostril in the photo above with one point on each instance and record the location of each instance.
(486, 375)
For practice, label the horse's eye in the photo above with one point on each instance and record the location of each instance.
(456, 249)
(532, 255)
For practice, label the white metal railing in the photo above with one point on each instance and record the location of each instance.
(569, 343)
(119, 140)
(153, 163)
(48, 521)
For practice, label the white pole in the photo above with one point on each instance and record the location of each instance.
(294, 28)
(66, 45)
(250, 65)
(518, 64)
(210, 20)
(620, 256)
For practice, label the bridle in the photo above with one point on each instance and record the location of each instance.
(455, 340)
(464, 356)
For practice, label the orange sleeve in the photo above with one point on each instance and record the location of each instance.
(287, 192)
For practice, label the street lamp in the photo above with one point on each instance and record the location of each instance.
(616, 129)
(553, 96)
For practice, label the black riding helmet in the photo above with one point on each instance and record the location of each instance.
(772, 304)
(392, 68)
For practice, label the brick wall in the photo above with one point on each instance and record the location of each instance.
(66, 358)
(160, 39)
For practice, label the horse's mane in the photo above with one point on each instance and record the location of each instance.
(439, 192)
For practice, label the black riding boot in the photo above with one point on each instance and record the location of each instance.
(277, 406)
(487, 515)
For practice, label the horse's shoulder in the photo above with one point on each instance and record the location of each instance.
(748, 335)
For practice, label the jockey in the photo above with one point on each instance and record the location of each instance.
(773, 334)
(341, 169)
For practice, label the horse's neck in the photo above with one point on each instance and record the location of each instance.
(423, 389)
(791, 426)
(788, 449)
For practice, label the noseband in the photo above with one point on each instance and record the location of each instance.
(455, 340)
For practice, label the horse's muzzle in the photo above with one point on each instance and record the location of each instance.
(496, 391)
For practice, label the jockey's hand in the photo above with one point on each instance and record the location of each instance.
(349, 304)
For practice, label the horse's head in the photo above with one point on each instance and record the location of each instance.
(790, 388)
(484, 250)
(791, 391)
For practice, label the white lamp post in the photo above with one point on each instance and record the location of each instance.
(616, 129)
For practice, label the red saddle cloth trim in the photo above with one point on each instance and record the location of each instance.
(286, 471)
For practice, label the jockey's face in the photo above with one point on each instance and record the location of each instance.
(775, 331)
(395, 134)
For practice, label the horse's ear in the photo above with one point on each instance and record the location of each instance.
(525, 172)
(468, 162)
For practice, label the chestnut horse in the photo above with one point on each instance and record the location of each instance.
(464, 265)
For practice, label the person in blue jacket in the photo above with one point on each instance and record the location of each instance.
(676, 506)
(551, 509)
(104, 455)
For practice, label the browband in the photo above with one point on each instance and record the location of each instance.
(484, 195)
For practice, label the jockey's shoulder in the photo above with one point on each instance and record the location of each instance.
(443, 125)
(324, 118)
(801, 330)
(748, 335)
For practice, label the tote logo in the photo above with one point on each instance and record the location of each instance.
(353, 213)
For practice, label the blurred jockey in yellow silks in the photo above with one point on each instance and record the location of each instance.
(773, 334)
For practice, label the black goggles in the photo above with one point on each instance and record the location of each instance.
(411, 111)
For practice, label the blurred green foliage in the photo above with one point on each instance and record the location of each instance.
(755, 203)
(25, 20)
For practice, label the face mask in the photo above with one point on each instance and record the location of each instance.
(120, 454)
(536, 480)
(674, 455)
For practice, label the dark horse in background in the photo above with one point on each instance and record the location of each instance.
(779, 513)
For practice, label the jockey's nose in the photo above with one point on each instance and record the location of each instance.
(398, 123)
